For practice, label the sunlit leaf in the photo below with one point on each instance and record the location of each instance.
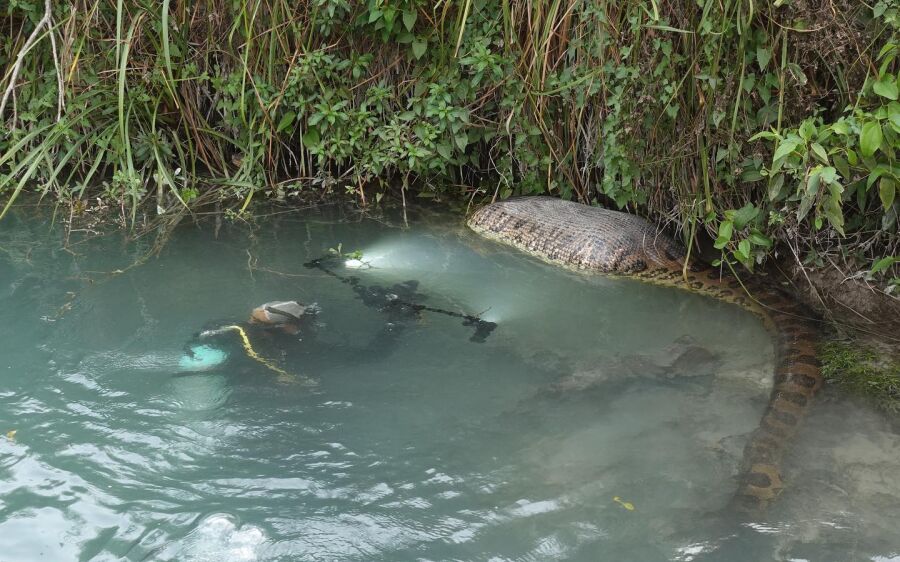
(886, 87)
(884, 263)
(841, 127)
(785, 148)
(870, 138)
(743, 251)
(725, 230)
(819, 151)
(807, 130)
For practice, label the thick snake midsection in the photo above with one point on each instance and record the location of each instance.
(601, 241)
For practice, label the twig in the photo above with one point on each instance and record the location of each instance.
(46, 20)
(60, 98)
(250, 263)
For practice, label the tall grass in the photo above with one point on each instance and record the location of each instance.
(651, 105)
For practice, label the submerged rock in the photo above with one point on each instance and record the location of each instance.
(684, 357)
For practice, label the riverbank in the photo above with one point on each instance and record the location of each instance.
(772, 128)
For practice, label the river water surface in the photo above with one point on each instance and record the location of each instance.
(602, 419)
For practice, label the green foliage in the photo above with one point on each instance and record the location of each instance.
(765, 124)
(339, 253)
(858, 369)
(837, 174)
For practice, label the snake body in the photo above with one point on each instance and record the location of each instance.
(597, 240)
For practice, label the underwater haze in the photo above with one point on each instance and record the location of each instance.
(602, 419)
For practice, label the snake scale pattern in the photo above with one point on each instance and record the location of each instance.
(597, 240)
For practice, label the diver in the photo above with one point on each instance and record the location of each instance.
(270, 325)
(282, 335)
(284, 332)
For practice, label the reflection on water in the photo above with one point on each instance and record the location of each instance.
(415, 444)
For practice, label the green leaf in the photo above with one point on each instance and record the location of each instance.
(819, 151)
(886, 87)
(763, 56)
(828, 175)
(286, 121)
(876, 173)
(884, 263)
(807, 130)
(751, 176)
(311, 138)
(785, 148)
(835, 217)
(809, 195)
(418, 48)
(775, 187)
(841, 127)
(861, 195)
(887, 189)
(870, 138)
(669, 28)
(761, 240)
(725, 230)
(462, 140)
(389, 15)
(768, 135)
(749, 82)
(841, 164)
(744, 215)
(893, 110)
(445, 150)
(409, 19)
(743, 251)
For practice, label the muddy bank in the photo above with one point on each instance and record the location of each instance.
(854, 305)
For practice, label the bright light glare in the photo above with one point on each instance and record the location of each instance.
(404, 260)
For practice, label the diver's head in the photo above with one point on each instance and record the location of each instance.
(286, 314)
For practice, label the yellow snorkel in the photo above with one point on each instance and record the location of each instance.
(283, 375)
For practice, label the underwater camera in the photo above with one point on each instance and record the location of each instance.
(399, 299)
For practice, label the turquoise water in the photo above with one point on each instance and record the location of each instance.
(421, 445)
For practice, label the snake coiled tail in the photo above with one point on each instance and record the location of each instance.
(598, 240)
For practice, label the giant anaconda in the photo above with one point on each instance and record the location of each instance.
(598, 240)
